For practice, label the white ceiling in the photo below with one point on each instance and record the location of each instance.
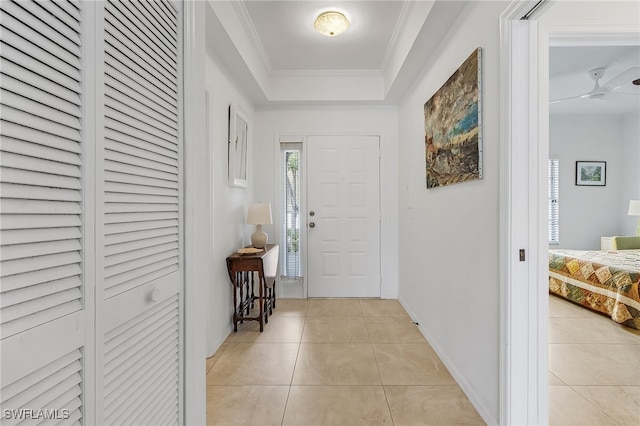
(275, 54)
(285, 30)
(272, 51)
(568, 77)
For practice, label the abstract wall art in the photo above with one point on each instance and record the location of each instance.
(453, 127)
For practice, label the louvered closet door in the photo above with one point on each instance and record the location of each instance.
(43, 310)
(142, 277)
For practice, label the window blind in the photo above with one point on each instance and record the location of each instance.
(554, 192)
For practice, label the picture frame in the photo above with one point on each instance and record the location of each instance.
(239, 137)
(591, 173)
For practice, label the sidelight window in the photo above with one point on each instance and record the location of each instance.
(291, 172)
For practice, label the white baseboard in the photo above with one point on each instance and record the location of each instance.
(464, 385)
(219, 341)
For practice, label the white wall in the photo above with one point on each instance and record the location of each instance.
(631, 167)
(449, 277)
(270, 124)
(229, 204)
(590, 212)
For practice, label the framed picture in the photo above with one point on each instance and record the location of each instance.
(591, 173)
(453, 127)
(238, 147)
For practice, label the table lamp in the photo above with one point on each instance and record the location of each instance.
(634, 210)
(259, 214)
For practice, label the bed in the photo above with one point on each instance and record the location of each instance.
(605, 281)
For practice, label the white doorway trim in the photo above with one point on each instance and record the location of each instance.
(197, 252)
(523, 217)
(522, 395)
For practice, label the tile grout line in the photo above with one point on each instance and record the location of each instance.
(295, 364)
(384, 391)
(591, 403)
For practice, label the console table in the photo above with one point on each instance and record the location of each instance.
(243, 270)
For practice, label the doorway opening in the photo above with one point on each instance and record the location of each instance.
(524, 318)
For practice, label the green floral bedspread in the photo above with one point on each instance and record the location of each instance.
(605, 281)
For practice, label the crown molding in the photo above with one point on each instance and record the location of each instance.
(401, 23)
(247, 23)
(326, 73)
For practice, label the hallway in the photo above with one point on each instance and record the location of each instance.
(333, 362)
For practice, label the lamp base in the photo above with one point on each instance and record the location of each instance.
(259, 238)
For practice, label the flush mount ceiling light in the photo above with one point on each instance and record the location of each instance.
(331, 23)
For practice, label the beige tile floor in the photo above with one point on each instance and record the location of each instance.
(594, 368)
(333, 362)
(363, 362)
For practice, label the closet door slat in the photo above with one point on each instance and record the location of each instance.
(42, 297)
(55, 386)
(44, 11)
(45, 37)
(141, 192)
(41, 159)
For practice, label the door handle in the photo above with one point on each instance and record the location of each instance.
(312, 213)
(312, 224)
(155, 294)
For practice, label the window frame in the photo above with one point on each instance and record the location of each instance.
(285, 146)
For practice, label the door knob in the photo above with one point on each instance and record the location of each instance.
(312, 213)
(155, 294)
(312, 225)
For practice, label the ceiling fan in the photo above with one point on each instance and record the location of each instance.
(622, 84)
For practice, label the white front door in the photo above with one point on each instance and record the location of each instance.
(343, 216)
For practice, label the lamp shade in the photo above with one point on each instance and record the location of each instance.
(259, 214)
(634, 208)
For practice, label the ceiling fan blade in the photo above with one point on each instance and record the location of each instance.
(623, 79)
(625, 95)
(555, 101)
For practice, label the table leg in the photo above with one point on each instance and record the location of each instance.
(261, 301)
(241, 307)
(274, 294)
(249, 296)
(268, 300)
(235, 304)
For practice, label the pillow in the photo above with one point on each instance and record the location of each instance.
(626, 243)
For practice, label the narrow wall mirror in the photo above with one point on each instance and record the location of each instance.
(238, 147)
